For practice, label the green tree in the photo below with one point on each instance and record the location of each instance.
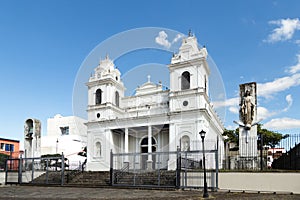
(3, 158)
(270, 138)
(232, 136)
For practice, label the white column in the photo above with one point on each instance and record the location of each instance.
(149, 142)
(126, 144)
(172, 146)
(149, 161)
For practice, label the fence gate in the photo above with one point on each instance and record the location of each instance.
(132, 169)
(192, 170)
(178, 169)
(48, 170)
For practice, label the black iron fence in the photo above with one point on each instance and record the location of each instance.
(6, 155)
(289, 142)
(178, 169)
(284, 155)
(47, 170)
(289, 160)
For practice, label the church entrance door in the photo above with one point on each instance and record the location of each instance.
(144, 152)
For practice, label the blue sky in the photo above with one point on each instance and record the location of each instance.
(43, 44)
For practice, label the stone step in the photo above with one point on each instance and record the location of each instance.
(167, 178)
(90, 178)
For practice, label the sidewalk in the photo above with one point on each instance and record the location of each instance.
(36, 192)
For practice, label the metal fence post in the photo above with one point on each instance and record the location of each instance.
(6, 171)
(62, 168)
(47, 169)
(261, 152)
(158, 165)
(217, 169)
(178, 168)
(217, 164)
(111, 168)
(32, 169)
(185, 171)
(20, 170)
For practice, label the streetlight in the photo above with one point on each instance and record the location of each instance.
(205, 193)
(56, 145)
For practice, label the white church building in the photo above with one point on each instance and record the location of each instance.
(154, 119)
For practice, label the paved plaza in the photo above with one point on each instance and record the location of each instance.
(36, 192)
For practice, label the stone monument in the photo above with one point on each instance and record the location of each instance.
(248, 125)
(32, 138)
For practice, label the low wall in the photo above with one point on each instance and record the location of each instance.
(2, 178)
(263, 182)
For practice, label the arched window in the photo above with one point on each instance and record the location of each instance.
(185, 80)
(97, 150)
(144, 145)
(98, 96)
(117, 98)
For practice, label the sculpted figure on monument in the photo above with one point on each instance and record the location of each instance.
(247, 109)
(28, 131)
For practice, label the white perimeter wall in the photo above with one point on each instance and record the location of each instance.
(264, 182)
(2, 178)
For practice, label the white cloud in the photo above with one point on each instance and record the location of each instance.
(162, 39)
(282, 124)
(264, 113)
(230, 127)
(285, 31)
(268, 89)
(178, 37)
(234, 109)
(295, 68)
(227, 102)
(232, 104)
(289, 100)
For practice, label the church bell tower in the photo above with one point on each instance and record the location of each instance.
(105, 90)
(189, 73)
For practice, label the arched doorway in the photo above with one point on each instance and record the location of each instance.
(144, 151)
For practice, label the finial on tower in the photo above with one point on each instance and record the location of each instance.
(148, 78)
(190, 33)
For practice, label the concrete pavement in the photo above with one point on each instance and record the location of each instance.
(68, 193)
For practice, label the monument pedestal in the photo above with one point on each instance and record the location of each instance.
(248, 148)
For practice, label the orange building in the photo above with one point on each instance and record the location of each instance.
(10, 147)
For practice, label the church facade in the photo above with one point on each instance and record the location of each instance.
(154, 119)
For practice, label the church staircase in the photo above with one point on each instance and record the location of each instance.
(52, 177)
(161, 178)
(89, 179)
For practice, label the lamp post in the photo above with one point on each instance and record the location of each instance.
(205, 193)
(56, 145)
